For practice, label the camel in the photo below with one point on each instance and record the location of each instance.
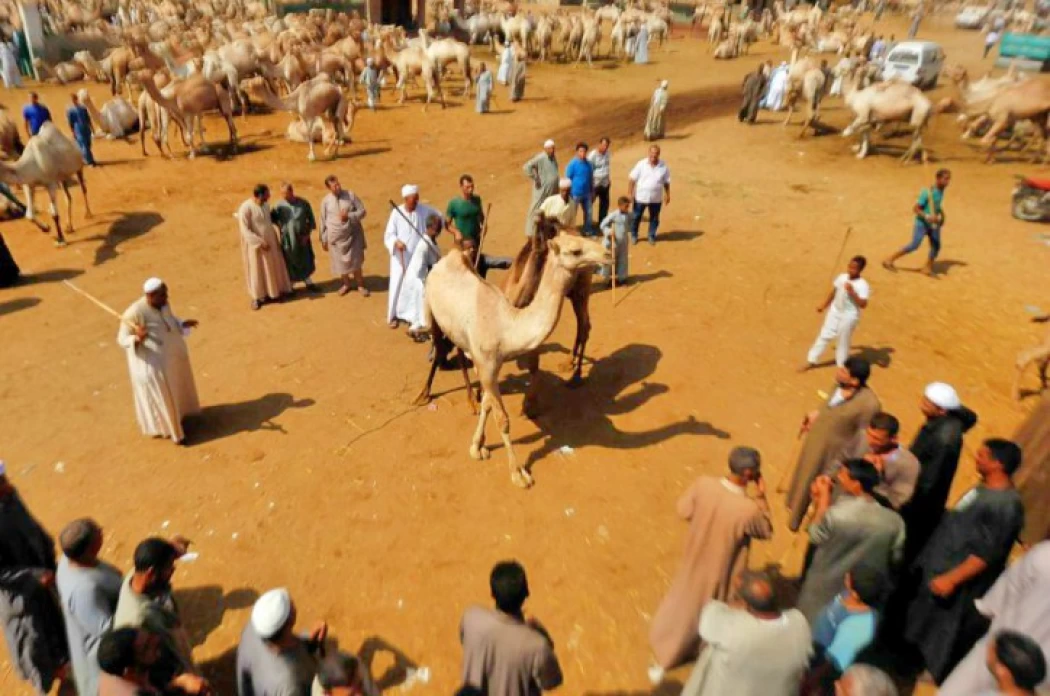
(519, 286)
(974, 98)
(445, 51)
(1040, 355)
(887, 102)
(544, 37)
(807, 80)
(589, 40)
(10, 141)
(62, 73)
(314, 101)
(116, 119)
(50, 160)
(726, 50)
(477, 318)
(155, 118)
(715, 30)
(1027, 100)
(190, 99)
(412, 61)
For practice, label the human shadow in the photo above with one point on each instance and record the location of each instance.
(366, 152)
(55, 274)
(18, 304)
(396, 674)
(372, 284)
(940, 267)
(127, 226)
(203, 608)
(671, 687)
(221, 151)
(677, 235)
(617, 384)
(603, 285)
(224, 420)
(881, 356)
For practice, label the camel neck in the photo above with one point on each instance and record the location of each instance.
(537, 320)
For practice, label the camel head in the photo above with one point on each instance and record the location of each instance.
(574, 253)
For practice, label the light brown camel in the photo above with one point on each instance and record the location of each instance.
(1026, 100)
(151, 116)
(50, 160)
(886, 102)
(190, 99)
(62, 73)
(805, 80)
(520, 286)
(116, 119)
(410, 62)
(479, 320)
(314, 101)
(1040, 355)
(10, 141)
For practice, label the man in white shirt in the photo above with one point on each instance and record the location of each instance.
(649, 186)
(848, 296)
(404, 229)
(601, 160)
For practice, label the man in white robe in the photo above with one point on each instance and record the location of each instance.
(9, 65)
(506, 63)
(410, 303)
(404, 229)
(774, 100)
(159, 363)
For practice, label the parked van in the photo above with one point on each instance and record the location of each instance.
(917, 62)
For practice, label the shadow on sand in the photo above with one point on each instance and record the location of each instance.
(127, 226)
(16, 305)
(224, 420)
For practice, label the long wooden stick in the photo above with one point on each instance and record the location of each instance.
(842, 249)
(614, 266)
(792, 462)
(99, 303)
(481, 236)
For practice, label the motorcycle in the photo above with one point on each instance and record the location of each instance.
(1031, 200)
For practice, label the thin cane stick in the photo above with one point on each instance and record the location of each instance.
(842, 250)
(400, 281)
(614, 265)
(481, 235)
(792, 462)
(99, 303)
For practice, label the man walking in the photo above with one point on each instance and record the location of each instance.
(961, 561)
(723, 519)
(649, 186)
(264, 267)
(159, 363)
(35, 114)
(754, 650)
(343, 236)
(80, 124)
(404, 230)
(581, 173)
(29, 611)
(929, 220)
(464, 215)
(503, 652)
(295, 218)
(849, 295)
(542, 170)
(853, 530)
(754, 87)
(601, 161)
(88, 589)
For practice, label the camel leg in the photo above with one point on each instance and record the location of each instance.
(228, 115)
(1040, 355)
(60, 238)
(990, 137)
(83, 190)
(441, 348)
(528, 405)
(69, 205)
(489, 375)
(310, 139)
(478, 450)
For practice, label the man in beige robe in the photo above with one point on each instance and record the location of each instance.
(264, 264)
(722, 521)
(342, 235)
(159, 363)
(833, 431)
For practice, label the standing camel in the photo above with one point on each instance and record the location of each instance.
(314, 101)
(479, 320)
(887, 102)
(190, 99)
(520, 286)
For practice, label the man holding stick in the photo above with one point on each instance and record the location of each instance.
(404, 230)
(159, 363)
(464, 214)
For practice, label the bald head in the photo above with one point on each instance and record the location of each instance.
(80, 540)
(756, 591)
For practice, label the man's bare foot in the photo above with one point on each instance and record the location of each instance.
(365, 292)
(393, 324)
(888, 265)
(343, 290)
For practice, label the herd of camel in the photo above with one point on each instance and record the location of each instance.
(186, 58)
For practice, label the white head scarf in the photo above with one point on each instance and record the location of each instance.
(409, 190)
(271, 612)
(548, 143)
(942, 395)
(564, 183)
(152, 285)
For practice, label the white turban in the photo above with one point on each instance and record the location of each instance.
(548, 143)
(664, 84)
(409, 190)
(370, 61)
(271, 612)
(942, 395)
(565, 183)
(152, 285)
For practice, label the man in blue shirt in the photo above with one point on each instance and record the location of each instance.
(581, 173)
(929, 219)
(35, 114)
(80, 124)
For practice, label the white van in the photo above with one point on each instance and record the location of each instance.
(917, 62)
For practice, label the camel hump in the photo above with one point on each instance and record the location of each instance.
(54, 154)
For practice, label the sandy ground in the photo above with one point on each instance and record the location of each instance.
(310, 469)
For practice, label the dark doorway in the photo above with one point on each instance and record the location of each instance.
(398, 12)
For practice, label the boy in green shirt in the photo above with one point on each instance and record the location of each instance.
(464, 216)
(929, 218)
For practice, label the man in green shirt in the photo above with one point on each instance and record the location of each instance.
(464, 215)
(929, 218)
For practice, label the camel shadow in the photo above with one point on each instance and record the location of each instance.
(16, 305)
(205, 606)
(666, 688)
(127, 226)
(676, 235)
(52, 276)
(224, 420)
(366, 152)
(617, 384)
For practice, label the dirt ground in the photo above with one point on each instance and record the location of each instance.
(310, 469)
